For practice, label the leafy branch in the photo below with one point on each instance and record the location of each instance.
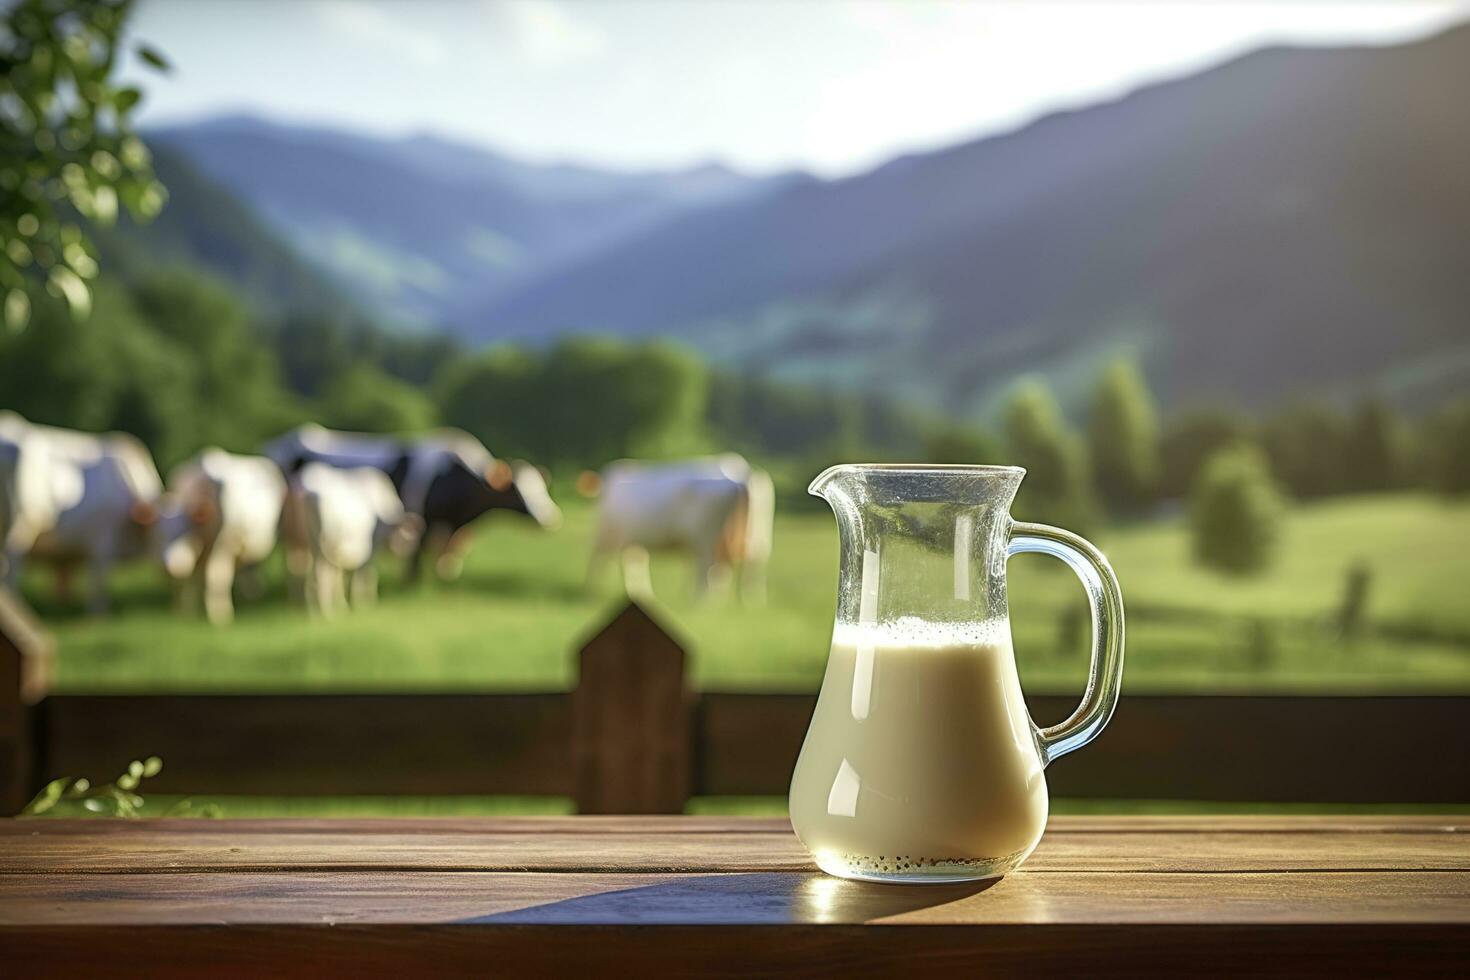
(67, 148)
(119, 798)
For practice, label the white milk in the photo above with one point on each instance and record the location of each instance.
(921, 760)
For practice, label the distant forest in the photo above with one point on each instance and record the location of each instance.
(183, 361)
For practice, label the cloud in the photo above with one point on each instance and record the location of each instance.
(373, 25)
(547, 34)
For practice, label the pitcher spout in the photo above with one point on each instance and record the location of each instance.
(921, 481)
(825, 479)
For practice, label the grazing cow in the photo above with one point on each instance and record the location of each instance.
(220, 513)
(337, 520)
(718, 509)
(71, 497)
(447, 477)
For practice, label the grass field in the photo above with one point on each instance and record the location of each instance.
(514, 618)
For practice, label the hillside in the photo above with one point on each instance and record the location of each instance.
(204, 225)
(1295, 220)
(419, 226)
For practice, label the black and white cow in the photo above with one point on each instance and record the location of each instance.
(447, 477)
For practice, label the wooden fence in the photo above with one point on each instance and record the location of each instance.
(633, 737)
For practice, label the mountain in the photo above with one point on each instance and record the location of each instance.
(204, 225)
(1296, 220)
(419, 226)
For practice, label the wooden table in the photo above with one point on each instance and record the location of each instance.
(723, 896)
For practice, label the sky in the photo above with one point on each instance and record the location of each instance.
(830, 86)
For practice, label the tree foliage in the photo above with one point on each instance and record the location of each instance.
(231, 384)
(957, 444)
(172, 361)
(1304, 443)
(1190, 439)
(1446, 448)
(365, 399)
(1057, 488)
(1123, 438)
(1235, 511)
(585, 401)
(66, 147)
(1375, 448)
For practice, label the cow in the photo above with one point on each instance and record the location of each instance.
(719, 509)
(446, 477)
(219, 514)
(70, 498)
(336, 521)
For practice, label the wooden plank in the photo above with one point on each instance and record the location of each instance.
(853, 951)
(172, 852)
(412, 826)
(1282, 748)
(333, 744)
(1409, 823)
(1101, 895)
(631, 711)
(172, 847)
(733, 898)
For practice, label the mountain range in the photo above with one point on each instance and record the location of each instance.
(419, 226)
(1293, 221)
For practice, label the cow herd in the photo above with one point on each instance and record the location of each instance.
(334, 501)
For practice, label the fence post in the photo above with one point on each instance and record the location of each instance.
(632, 715)
(25, 673)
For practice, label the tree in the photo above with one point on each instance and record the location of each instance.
(1375, 448)
(586, 401)
(365, 399)
(1235, 511)
(1304, 444)
(1446, 443)
(490, 394)
(66, 147)
(1057, 483)
(314, 351)
(113, 372)
(173, 361)
(955, 444)
(232, 378)
(780, 418)
(1123, 438)
(1190, 440)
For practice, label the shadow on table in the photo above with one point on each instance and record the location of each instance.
(766, 897)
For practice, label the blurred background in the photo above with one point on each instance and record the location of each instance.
(1201, 268)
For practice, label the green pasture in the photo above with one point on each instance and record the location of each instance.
(521, 608)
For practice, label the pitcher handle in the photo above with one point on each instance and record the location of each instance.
(1105, 676)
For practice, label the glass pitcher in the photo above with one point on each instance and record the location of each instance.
(921, 762)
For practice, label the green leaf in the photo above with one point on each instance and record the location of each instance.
(104, 204)
(17, 313)
(71, 286)
(19, 252)
(152, 766)
(135, 769)
(152, 56)
(124, 99)
(127, 781)
(49, 796)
